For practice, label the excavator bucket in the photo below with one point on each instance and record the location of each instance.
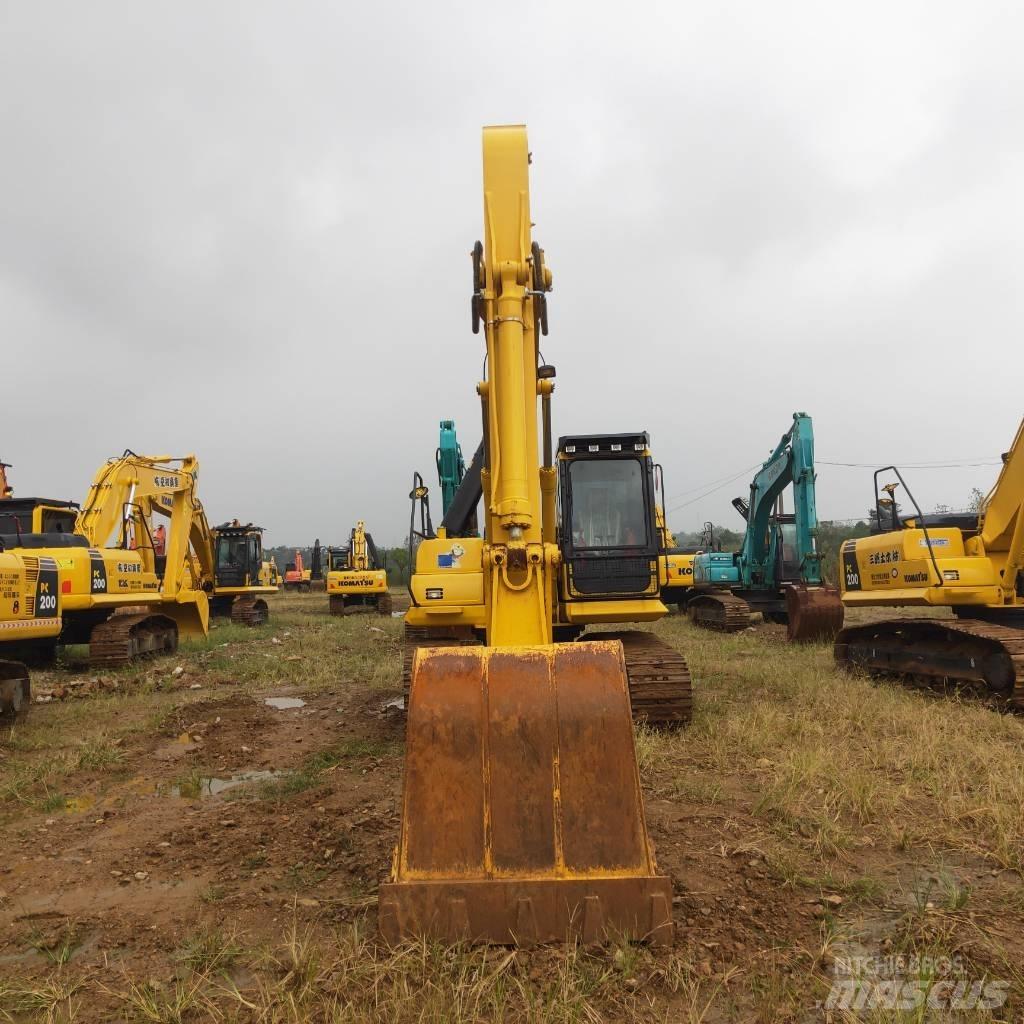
(813, 612)
(522, 819)
(14, 688)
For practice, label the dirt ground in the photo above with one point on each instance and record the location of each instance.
(174, 848)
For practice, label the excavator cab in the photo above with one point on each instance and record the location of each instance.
(37, 515)
(608, 535)
(238, 554)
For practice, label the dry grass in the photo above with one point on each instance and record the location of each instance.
(839, 757)
(834, 778)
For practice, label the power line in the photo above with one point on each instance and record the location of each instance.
(911, 465)
(715, 485)
(724, 483)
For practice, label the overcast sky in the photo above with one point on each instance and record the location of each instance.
(242, 229)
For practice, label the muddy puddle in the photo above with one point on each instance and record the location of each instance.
(206, 786)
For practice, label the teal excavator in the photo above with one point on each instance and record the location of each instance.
(777, 571)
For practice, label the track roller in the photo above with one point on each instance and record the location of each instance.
(123, 638)
(722, 612)
(941, 652)
(249, 610)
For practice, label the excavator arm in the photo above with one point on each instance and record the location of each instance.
(792, 462)
(124, 495)
(1002, 522)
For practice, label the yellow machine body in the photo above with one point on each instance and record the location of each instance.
(448, 583)
(30, 614)
(979, 566)
(971, 563)
(30, 597)
(522, 817)
(895, 569)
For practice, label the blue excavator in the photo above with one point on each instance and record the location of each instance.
(777, 571)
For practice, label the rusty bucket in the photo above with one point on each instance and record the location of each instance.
(522, 818)
(813, 612)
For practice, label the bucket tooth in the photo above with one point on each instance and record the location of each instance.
(388, 924)
(458, 918)
(661, 931)
(522, 802)
(526, 922)
(593, 921)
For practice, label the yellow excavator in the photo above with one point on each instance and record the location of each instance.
(356, 576)
(972, 563)
(229, 566)
(522, 817)
(270, 575)
(600, 510)
(101, 583)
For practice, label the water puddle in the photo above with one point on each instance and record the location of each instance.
(203, 787)
(284, 703)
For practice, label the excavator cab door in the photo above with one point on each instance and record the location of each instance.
(609, 539)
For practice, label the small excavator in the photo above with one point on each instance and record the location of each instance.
(296, 576)
(971, 563)
(270, 575)
(317, 580)
(522, 816)
(777, 571)
(230, 557)
(356, 576)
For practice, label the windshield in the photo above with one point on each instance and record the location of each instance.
(608, 503)
(231, 552)
(338, 560)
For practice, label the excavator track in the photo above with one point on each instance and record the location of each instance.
(249, 610)
(660, 688)
(936, 651)
(15, 691)
(123, 638)
(384, 603)
(722, 612)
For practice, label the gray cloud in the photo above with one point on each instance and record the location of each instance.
(241, 230)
